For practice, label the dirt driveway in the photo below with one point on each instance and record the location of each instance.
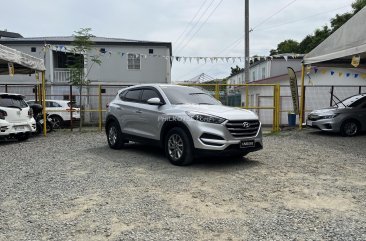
(302, 186)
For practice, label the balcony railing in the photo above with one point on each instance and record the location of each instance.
(61, 75)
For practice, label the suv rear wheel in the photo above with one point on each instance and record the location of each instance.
(57, 121)
(114, 136)
(178, 147)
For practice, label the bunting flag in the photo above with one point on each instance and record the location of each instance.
(356, 76)
(356, 61)
(340, 74)
(363, 76)
(183, 59)
(332, 72)
(348, 74)
(323, 71)
(11, 69)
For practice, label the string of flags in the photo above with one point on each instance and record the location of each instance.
(331, 72)
(182, 59)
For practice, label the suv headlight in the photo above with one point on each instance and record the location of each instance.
(205, 117)
(328, 116)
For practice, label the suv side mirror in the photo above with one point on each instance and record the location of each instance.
(154, 101)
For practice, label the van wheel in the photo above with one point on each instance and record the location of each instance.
(22, 137)
(349, 128)
(57, 121)
(114, 136)
(178, 147)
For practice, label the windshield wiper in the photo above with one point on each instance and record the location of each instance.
(13, 106)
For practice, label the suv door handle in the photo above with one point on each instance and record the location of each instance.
(138, 111)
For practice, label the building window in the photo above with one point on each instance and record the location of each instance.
(263, 73)
(134, 61)
(33, 49)
(151, 51)
(253, 76)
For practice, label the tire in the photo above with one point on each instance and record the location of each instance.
(114, 136)
(22, 137)
(178, 147)
(350, 128)
(57, 121)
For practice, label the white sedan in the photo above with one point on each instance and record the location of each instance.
(59, 111)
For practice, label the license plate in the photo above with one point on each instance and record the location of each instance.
(244, 144)
(309, 123)
(19, 128)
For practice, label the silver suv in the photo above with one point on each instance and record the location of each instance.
(185, 121)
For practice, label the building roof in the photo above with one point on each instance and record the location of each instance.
(69, 39)
(6, 34)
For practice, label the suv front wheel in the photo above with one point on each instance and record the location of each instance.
(114, 136)
(178, 147)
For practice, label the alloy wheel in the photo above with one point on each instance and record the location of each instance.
(175, 146)
(112, 135)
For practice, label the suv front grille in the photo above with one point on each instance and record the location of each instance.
(243, 128)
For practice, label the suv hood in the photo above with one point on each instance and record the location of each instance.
(230, 113)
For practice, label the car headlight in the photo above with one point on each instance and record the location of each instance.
(329, 116)
(205, 117)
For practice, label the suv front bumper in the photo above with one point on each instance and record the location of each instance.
(217, 138)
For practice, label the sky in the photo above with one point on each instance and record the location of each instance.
(196, 28)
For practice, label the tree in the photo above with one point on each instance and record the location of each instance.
(313, 40)
(236, 70)
(320, 34)
(82, 46)
(287, 46)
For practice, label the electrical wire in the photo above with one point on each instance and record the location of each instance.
(208, 17)
(300, 20)
(187, 26)
(195, 24)
(277, 12)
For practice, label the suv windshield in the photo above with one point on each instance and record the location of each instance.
(179, 95)
(12, 101)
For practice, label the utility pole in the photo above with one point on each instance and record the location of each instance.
(246, 42)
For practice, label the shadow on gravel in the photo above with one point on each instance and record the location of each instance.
(211, 163)
(144, 153)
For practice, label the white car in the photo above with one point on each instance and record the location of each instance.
(59, 111)
(16, 117)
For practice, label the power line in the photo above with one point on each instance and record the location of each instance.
(196, 23)
(271, 16)
(208, 17)
(300, 20)
(187, 26)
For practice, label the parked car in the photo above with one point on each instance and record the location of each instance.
(16, 117)
(347, 117)
(59, 111)
(186, 121)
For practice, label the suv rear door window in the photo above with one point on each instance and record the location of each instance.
(133, 95)
(148, 94)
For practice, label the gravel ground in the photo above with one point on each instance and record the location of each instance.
(303, 186)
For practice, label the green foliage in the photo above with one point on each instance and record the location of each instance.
(82, 45)
(287, 46)
(319, 35)
(236, 70)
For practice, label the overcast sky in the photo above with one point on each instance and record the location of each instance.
(166, 20)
